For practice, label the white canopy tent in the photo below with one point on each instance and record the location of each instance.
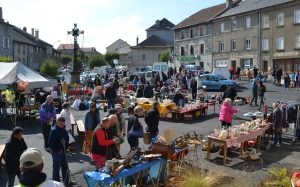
(15, 71)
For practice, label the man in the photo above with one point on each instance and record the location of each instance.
(152, 121)
(120, 124)
(178, 96)
(14, 148)
(112, 133)
(274, 76)
(101, 142)
(59, 134)
(47, 115)
(230, 93)
(148, 91)
(116, 85)
(153, 80)
(157, 87)
(277, 124)
(3, 106)
(31, 166)
(255, 71)
(194, 89)
(261, 92)
(110, 95)
(254, 88)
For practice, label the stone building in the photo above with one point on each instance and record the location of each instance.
(6, 37)
(68, 49)
(116, 46)
(236, 34)
(163, 29)
(193, 38)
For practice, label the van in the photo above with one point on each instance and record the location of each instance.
(223, 71)
(161, 66)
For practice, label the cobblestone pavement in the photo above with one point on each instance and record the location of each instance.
(286, 156)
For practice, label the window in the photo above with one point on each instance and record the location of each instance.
(192, 33)
(265, 22)
(182, 51)
(117, 49)
(121, 45)
(233, 27)
(221, 44)
(143, 56)
(158, 56)
(297, 42)
(233, 45)
(247, 63)
(248, 43)
(201, 48)
(164, 68)
(297, 16)
(280, 43)
(265, 44)
(182, 34)
(280, 19)
(191, 49)
(221, 27)
(24, 49)
(19, 48)
(247, 22)
(30, 49)
(201, 31)
(6, 42)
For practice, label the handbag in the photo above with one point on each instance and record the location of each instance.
(138, 133)
(71, 139)
(86, 148)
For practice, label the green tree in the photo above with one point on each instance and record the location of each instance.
(110, 56)
(65, 59)
(164, 57)
(5, 59)
(83, 56)
(79, 64)
(97, 61)
(49, 68)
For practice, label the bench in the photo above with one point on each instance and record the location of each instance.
(2, 149)
(80, 130)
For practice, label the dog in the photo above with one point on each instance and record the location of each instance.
(240, 100)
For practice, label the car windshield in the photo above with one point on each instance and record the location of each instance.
(221, 77)
(149, 74)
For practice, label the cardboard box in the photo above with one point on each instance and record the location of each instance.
(170, 136)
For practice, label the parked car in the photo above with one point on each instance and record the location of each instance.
(92, 76)
(216, 82)
(86, 73)
(193, 69)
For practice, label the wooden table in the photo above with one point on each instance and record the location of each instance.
(180, 114)
(72, 122)
(213, 103)
(28, 109)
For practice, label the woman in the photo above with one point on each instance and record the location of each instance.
(66, 114)
(248, 74)
(134, 122)
(92, 119)
(134, 82)
(226, 112)
(139, 91)
(277, 124)
(164, 91)
(287, 80)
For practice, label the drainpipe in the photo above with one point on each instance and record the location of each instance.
(259, 64)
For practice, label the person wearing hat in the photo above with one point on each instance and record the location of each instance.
(277, 124)
(110, 96)
(230, 93)
(120, 124)
(254, 88)
(14, 148)
(31, 166)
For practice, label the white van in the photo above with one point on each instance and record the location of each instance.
(161, 66)
(223, 71)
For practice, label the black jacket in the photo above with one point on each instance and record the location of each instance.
(177, 98)
(133, 120)
(194, 86)
(110, 93)
(55, 138)
(154, 116)
(32, 178)
(231, 94)
(139, 92)
(277, 119)
(13, 151)
(148, 91)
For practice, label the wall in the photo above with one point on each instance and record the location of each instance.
(112, 48)
(6, 31)
(20, 53)
(167, 35)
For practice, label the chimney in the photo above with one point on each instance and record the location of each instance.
(229, 4)
(1, 17)
(157, 23)
(32, 31)
(36, 34)
(25, 29)
(137, 40)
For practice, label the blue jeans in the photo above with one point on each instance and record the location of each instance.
(154, 139)
(59, 163)
(110, 103)
(274, 79)
(11, 179)
(277, 138)
(286, 84)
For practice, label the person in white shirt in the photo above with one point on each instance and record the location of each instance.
(76, 103)
(67, 115)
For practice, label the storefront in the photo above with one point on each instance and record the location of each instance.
(287, 63)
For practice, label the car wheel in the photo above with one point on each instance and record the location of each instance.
(223, 87)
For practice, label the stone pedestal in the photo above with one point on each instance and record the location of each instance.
(75, 77)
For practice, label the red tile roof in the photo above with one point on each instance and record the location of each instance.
(71, 46)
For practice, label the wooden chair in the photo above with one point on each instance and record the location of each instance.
(80, 130)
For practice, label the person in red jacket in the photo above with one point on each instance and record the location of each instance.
(226, 112)
(101, 142)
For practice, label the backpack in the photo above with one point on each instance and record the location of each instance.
(82, 106)
(148, 117)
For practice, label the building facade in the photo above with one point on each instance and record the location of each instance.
(280, 37)
(6, 37)
(116, 46)
(68, 49)
(163, 29)
(194, 38)
(125, 56)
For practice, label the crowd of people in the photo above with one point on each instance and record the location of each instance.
(278, 75)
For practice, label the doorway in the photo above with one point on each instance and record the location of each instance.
(233, 63)
(265, 68)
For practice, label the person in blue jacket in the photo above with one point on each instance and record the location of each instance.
(148, 91)
(259, 76)
(254, 91)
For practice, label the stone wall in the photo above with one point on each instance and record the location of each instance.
(6, 31)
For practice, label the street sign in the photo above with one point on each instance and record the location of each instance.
(115, 61)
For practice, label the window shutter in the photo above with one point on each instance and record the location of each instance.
(8, 42)
(3, 44)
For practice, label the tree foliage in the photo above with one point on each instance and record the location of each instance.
(164, 57)
(5, 59)
(49, 68)
(97, 61)
(110, 56)
(78, 66)
(65, 59)
(82, 56)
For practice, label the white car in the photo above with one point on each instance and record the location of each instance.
(92, 76)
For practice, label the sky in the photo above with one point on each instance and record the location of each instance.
(103, 21)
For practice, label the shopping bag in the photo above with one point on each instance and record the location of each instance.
(86, 148)
(71, 139)
(292, 126)
(147, 139)
(138, 133)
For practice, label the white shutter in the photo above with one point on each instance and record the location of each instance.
(8, 42)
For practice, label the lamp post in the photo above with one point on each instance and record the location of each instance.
(115, 61)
